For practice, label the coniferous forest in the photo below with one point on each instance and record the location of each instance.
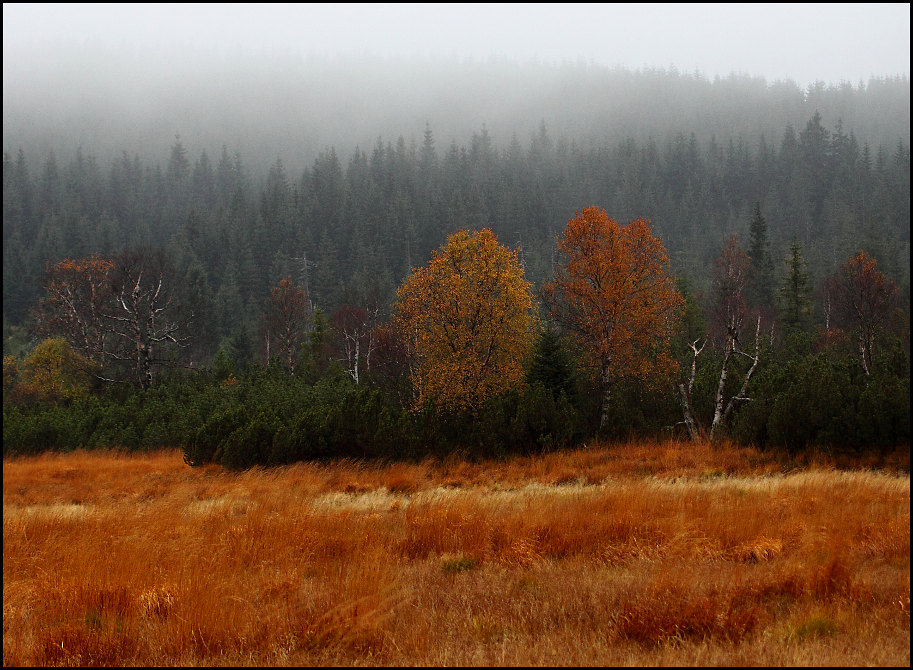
(254, 312)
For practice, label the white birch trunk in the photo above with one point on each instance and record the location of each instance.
(686, 394)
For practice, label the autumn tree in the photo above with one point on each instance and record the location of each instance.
(54, 372)
(78, 298)
(615, 293)
(862, 299)
(286, 322)
(467, 322)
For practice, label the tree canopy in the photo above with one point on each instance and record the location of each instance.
(615, 292)
(468, 320)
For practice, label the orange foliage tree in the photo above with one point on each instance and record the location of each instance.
(77, 303)
(467, 321)
(615, 293)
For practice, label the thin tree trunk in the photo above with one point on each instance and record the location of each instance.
(721, 415)
(740, 396)
(721, 387)
(686, 394)
(606, 395)
(864, 353)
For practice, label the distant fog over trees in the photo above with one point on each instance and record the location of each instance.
(266, 107)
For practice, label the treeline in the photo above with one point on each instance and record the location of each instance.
(219, 259)
(265, 416)
(623, 350)
(351, 227)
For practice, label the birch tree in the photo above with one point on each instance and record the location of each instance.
(467, 320)
(731, 317)
(356, 328)
(615, 294)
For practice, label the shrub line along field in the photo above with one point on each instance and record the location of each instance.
(637, 554)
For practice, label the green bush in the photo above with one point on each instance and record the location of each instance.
(206, 445)
(303, 440)
(825, 399)
(249, 445)
(543, 420)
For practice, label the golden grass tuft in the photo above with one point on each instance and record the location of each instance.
(634, 554)
(758, 549)
(157, 602)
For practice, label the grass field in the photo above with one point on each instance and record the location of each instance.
(638, 554)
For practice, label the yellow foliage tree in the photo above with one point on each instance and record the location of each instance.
(54, 371)
(467, 320)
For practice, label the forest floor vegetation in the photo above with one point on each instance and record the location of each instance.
(661, 553)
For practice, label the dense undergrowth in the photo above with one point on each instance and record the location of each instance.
(267, 416)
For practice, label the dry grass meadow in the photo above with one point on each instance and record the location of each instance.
(649, 554)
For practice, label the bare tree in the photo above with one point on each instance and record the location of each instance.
(729, 320)
(357, 328)
(144, 317)
(77, 298)
(687, 393)
(114, 310)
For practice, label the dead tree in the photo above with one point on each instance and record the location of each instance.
(286, 319)
(687, 393)
(730, 313)
(145, 320)
(357, 328)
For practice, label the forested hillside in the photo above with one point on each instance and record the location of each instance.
(806, 180)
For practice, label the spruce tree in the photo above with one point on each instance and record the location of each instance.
(551, 364)
(761, 289)
(794, 300)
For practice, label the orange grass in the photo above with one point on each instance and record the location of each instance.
(637, 554)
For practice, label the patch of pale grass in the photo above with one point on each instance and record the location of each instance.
(380, 500)
(220, 505)
(59, 511)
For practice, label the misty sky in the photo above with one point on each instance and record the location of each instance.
(801, 42)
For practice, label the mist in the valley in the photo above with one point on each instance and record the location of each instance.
(289, 81)
(108, 100)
